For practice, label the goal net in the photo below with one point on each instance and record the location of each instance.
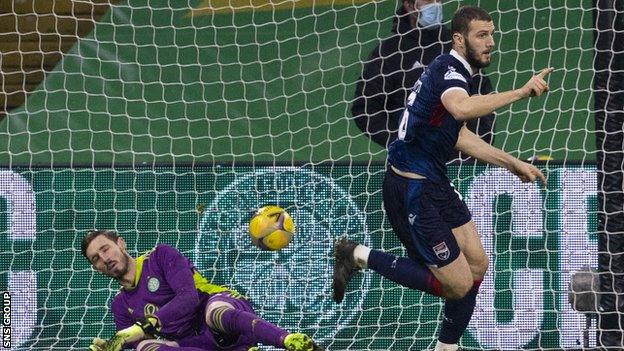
(172, 121)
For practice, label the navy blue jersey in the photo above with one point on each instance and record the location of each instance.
(428, 132)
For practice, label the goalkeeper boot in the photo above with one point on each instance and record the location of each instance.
(300, 342)
(344, 267)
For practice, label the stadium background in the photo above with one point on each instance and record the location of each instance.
(179, 101)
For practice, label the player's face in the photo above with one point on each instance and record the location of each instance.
(480, 44)
(108, 257)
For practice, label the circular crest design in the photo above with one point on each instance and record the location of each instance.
(290, 287)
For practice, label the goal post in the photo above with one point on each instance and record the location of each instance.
(609, 119)
(232, 105)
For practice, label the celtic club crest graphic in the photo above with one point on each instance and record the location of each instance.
(290, 287)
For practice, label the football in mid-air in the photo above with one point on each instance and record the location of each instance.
(271, 228)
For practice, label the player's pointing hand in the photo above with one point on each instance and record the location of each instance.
(537, 85)
(545, 71)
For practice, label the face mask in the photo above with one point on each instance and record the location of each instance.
(430, 15)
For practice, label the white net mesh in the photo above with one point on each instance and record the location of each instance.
(165, 105)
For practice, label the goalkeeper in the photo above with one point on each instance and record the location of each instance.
(165, 304)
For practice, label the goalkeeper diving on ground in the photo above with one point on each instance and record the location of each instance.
(165, 304)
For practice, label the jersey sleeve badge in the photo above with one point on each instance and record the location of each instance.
(452, 74)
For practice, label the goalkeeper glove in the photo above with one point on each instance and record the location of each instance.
(98, 345)
(138, 331)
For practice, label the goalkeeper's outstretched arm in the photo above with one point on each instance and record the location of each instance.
(128, 337)
(128, 334)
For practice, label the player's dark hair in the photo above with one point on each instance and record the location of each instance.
(92, 234)
(466, 14)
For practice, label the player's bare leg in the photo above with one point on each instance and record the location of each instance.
(457, 313)
(470, 266)
(459, 280)
(470, 244)
(455, 277)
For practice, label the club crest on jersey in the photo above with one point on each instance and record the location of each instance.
(442, 251)
(153, 284)
(452, 74)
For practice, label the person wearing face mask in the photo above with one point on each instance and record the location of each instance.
(394, 66)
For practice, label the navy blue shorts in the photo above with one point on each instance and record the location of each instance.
(422, 213)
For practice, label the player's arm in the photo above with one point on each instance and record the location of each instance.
(178, 272)
(129, 333)
(470, 144)
(464, 107)
(131, 336)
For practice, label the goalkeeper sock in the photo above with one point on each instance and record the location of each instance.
(404, 271)
(457, 314)
(255, 328)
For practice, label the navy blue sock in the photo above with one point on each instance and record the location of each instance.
(404, 271)
(457, 314)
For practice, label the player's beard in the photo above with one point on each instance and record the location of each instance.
(473, 57)
(125, 259)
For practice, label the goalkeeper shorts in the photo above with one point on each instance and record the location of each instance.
(208, 339)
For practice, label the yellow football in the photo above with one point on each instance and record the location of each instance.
(271, 228)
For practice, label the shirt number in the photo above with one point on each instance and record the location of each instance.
(410, 101)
